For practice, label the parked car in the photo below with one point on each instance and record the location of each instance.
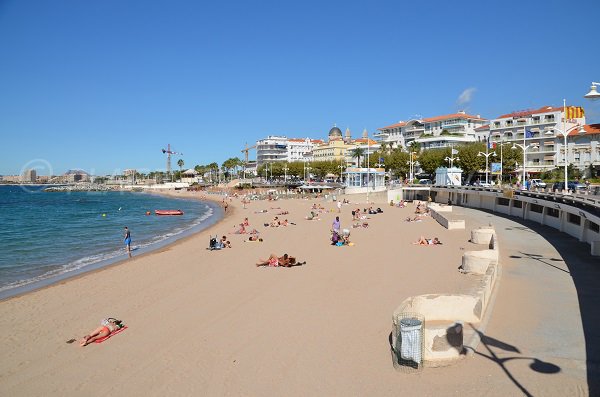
(571, 185)
(425, 182)
(537, 183)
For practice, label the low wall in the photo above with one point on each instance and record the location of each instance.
(447, 220)
(444, 314)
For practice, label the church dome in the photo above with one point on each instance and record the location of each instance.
(335, 132)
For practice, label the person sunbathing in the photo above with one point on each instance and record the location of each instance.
(312, 216)
(260, 211)
(107, 326)
(427, 241)
(246, 223)
(273, 261)
(283, 212)
(275, 222)
(254, 238)
(289, 261)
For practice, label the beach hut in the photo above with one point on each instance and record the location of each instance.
(361, 180)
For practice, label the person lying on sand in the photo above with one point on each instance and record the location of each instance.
(312, 216)
(276, 261)
(225, 243)
(260, 211)
(283, 212)
(107, 326)
(246, 223)
(417, 218)
(427, 241)
(254, 238)
(275, 222)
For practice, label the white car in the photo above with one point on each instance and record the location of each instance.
(537, 183)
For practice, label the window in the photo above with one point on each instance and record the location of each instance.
(503, 201)
(536, 208)
(594, 227)
(553, 212)
(576, 219)
(517, 204)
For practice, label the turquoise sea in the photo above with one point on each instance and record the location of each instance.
(47, 236)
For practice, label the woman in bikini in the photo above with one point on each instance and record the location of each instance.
(108, 326)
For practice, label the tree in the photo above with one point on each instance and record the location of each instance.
(470, 162)
(357, 153)
(431, 159)
(180, 163)
(397, 161)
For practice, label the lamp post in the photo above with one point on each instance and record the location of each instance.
(451, 160)
(593, 94)
(341, 167)
(487, 156)
(412, 164)
(285, 170)
(565, 132)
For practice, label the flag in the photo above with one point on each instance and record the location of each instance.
(381, 159)
(528, 133)
(454, 151)
(490, 144)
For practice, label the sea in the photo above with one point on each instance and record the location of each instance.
(46, 237)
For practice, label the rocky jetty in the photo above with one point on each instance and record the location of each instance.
(81, 187)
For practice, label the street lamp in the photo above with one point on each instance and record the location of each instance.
(593, 94)
(487, 155)
(412, 163)
(285, 170)
(565, 132)
(451, 160)
(341, 167)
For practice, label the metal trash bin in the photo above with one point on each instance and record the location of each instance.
(410, 339)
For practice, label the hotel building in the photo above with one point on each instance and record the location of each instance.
(281, 148)
(538, 130)
(433, 132)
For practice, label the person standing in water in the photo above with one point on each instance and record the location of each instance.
(127, 240)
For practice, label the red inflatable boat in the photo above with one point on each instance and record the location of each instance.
(168, 212)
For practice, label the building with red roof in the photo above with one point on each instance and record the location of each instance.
(434, 132)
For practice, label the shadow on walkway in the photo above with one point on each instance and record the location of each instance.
(584, 269)
(536, 364)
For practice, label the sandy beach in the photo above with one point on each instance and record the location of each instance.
(211, 323)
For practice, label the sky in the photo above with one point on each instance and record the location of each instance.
(103, 86)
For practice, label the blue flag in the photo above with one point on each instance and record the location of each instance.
(528, 133)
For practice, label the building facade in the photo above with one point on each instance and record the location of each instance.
(301, 149)
(335, 148)
(539, 132)
(433, 132)
(271, 149)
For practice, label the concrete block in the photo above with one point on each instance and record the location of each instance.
(595, 248)
(482, 235)
(443, 341)
(477, 262)
(434, 307)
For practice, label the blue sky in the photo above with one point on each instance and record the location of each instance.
(104, 85)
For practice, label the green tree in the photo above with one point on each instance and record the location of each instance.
(397, 163)
(431, 159)
(357, 153)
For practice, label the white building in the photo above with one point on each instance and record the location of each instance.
(301, 149)
(29, 176)
(583, 149)
(433, 132)
(538, 130)
(271, 149)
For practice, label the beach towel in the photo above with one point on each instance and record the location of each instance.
(100, 340)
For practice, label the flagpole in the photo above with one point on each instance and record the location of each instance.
(565, 133)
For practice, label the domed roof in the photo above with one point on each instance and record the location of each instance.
(335, 132)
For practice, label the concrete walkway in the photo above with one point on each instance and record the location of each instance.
(542, 336)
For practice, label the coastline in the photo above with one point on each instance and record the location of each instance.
(49, 282)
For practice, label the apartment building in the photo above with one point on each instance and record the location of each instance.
(433, 132)
(539, 132)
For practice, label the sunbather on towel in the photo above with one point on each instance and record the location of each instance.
(427, 241)
(108, 326)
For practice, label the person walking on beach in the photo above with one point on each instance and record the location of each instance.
(335, 226)
(339, 206)
(127, 240)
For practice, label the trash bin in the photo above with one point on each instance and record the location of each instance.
(410, 336)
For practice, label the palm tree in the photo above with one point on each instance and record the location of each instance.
(357, 152)
(180, 163)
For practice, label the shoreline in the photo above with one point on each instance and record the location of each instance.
(102, 265)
